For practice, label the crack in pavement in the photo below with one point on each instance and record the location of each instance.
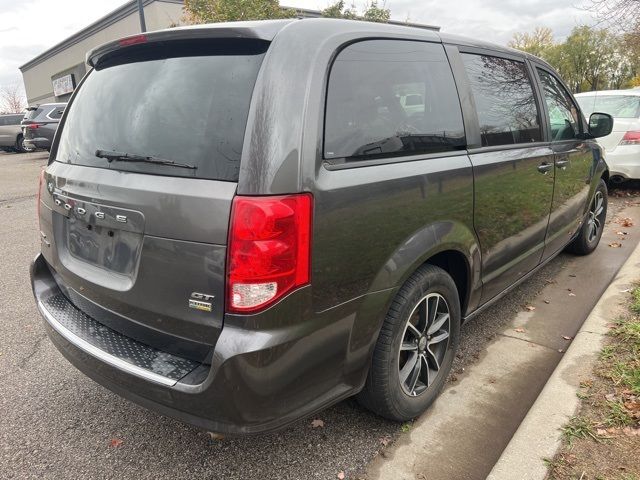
(527, 341)
(36, 346)
(16, 199)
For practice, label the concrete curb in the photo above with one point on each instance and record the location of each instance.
(538, 436)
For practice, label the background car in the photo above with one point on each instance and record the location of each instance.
(11, 137)
(622, 146)
(40, 124)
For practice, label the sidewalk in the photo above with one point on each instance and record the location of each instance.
(538, 436)
(470, 427)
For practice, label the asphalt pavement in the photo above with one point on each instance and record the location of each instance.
(56, 423)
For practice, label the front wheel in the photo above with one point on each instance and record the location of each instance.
(415, 348)
(591, 230)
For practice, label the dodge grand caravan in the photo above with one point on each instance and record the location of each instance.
(244, 223)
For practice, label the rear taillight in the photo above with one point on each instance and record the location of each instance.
(269, 251)
(631, 138)
(33, 126)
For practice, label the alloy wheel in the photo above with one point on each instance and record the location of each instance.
(594, 223)
(424, 344)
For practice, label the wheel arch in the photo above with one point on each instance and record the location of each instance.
(450, 245)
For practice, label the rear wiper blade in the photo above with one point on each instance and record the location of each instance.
(132, 157)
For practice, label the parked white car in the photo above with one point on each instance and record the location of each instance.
(622, 146)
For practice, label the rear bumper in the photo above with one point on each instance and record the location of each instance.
(625, 161)
(39, 142)
(258, 381)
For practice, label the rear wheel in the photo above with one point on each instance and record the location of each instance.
(591, 230)
(20, 148)
(416, 346)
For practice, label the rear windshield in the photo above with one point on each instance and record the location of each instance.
(187, 104)
(33, 113)
(618, 106)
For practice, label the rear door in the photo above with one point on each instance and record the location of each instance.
(574, 162)
(9, 129)
(135, 242)
(513, 169)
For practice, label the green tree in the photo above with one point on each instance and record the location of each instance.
(535, 43)
(589, 59)
(337, 10)
(210, 11)
(372, 12)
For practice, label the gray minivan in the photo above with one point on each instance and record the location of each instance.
(11, 137)
(244, 223)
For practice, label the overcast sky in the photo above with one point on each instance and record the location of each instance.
(29, 27)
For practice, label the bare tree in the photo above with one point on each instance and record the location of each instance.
(12, 98)
(620, 15)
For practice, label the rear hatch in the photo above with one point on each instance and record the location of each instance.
(137, 197)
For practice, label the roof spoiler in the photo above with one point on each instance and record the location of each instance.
(261, 30)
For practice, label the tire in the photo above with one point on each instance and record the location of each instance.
(20, 148)
(393, 389)
(591, 230)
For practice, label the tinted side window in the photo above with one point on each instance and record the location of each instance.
(391, 97)
(56, 113)
(504, 99)
(563, 114)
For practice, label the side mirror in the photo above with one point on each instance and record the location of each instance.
(600, 124)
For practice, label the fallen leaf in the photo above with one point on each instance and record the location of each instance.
(621, 233)
(519, 330)
(115, 442)
(566, 337)
(571, 294)
(530, 308)
(610, 397)
(317, 423)
(216, 436)
(600, 432)
(340, 475)
(615, 245)
(631, 431)
(611, 325)
(385, 440)
(547, 302)
(626, 222)
(572, 275)
(560, 350)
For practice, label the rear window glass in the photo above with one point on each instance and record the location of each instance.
(33, 113)
(618, 106)
(187, 104)
(391, 98)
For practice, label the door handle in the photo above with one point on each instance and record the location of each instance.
(545, 168)
(562, 164)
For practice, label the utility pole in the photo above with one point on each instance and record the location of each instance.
(143, 26)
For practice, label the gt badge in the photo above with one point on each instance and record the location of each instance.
(201, 301)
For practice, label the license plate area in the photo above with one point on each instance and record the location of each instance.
(97, 235)
(103, 246)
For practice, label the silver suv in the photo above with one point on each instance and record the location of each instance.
(11, 138)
